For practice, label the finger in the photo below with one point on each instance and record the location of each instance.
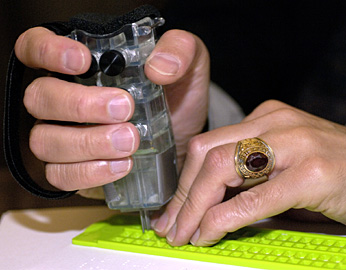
(88, 174)
(208, 189)
(41, 48)
(171, 57)
(268, 199)
(193, 163)
(55, 143)
(197, 150)
(180, 62)
(53, 99)
(92, 193)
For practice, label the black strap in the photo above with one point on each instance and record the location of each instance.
(100, 24)
(13, 97)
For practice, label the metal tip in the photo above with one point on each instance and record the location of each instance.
(158, 21)
(145, 220)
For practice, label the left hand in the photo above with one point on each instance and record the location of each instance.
(86, 157)
(310, 173)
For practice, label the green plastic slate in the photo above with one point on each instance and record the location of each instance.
(250, 247)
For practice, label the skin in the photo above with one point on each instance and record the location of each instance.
(84, 157)
(310, 171)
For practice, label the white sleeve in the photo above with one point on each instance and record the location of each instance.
(223, 109)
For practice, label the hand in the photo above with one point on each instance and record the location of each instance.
(310, 173)
(83, 157)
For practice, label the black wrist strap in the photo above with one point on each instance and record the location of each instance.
(13, 97)
(92, 23)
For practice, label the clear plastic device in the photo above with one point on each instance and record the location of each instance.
(118, 61)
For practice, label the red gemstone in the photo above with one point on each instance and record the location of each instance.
(256, 162)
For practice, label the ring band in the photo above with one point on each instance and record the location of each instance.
(254, 159)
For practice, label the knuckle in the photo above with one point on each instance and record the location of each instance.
(81, 107)
(306, 136)
(85, 144)
(55, 173)
(316, 175)
(36, 142)
(32, 96)
(247, 204)
(20, 43)
(32, 48)
(271, 105)
(286, 115)
(84, 175)
(58, 175)
(289, 114)
(43, 50)
(93, 144)
(317, 168)
(217, 158)
(192, 202)
(197, 146)
(214, 218)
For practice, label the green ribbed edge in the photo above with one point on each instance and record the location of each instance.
(250, 247)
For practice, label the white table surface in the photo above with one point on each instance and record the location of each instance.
(41, 239)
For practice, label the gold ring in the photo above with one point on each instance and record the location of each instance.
(254, 159)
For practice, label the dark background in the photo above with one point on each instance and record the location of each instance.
(293, 50)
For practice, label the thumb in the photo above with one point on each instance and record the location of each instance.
(180, 62)
(173, 56)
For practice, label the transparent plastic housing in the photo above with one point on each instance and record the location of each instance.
(153, 179)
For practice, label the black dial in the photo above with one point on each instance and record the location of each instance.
(112, 62)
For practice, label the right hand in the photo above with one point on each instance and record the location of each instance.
(84, 157)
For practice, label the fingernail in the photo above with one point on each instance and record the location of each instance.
(73, 59)
(164, 64)
(171, 234)
(123, 139)
(153, 222)
(119, 108)
(195, 237)
(161, 223)
(119, 166)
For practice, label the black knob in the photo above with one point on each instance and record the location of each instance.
(92, 70)
(112, 62)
